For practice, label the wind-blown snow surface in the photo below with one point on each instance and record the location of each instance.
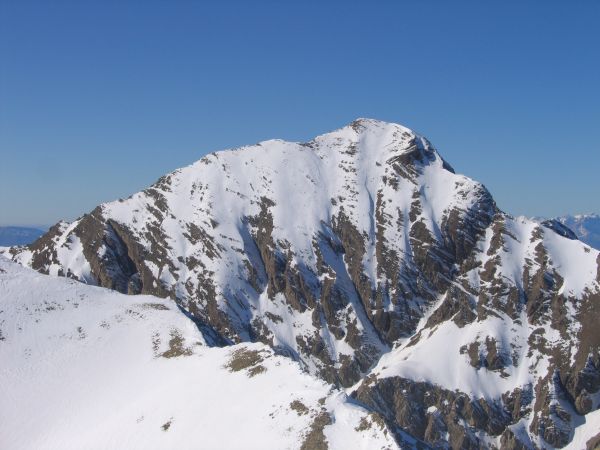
(88, 368)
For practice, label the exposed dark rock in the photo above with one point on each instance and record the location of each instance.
(428, 412)
(510, 441)
(593, 443)
(559, 228)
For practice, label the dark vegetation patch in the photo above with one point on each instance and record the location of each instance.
(165, 426)
(299, 407)
(256, 370)
(274, 317)
(157, 306)
(176, 346)
(367, 422)
(244, 358)
(363, 425)
(315, 438)
(155, 343)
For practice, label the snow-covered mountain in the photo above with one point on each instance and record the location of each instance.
(365, 257)
(585, 226)
(89, 368)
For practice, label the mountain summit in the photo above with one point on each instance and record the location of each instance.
(364, 256)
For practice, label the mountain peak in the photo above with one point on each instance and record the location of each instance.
(364, 256)
(364, 125)
(366, 122)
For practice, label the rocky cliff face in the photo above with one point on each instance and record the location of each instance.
(365, 256)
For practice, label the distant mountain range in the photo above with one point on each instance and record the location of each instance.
(585, 226)
(10, 236)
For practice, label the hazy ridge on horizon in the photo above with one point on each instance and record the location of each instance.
(19, 235)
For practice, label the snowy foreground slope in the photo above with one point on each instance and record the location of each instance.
(364, 257)
(89, 368)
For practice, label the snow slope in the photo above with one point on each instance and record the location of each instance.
(86, 367)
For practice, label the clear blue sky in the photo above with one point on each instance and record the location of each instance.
(98, 99)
